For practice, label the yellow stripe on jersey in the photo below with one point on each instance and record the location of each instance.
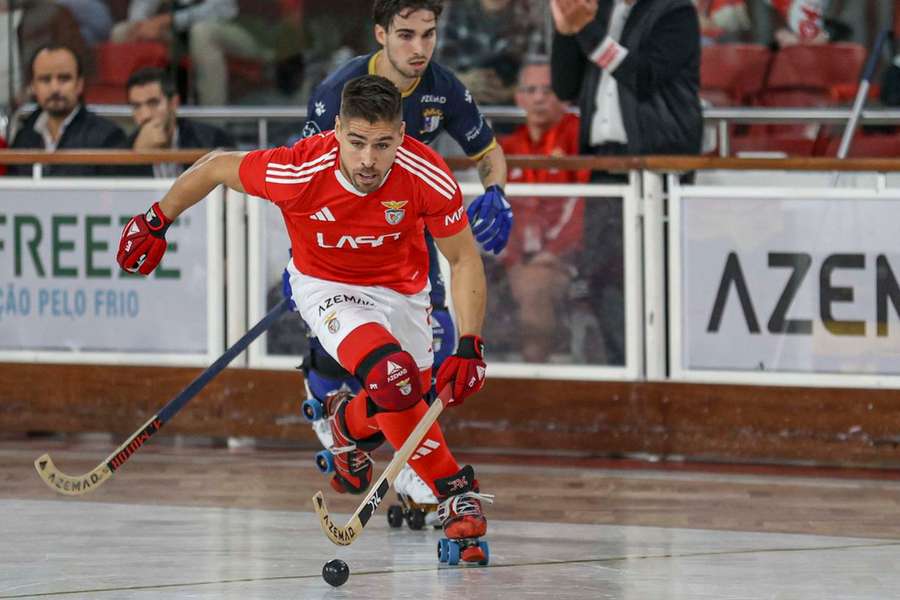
(373, 71)
(479, 155)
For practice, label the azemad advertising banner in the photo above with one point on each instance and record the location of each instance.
(805, 282)
(62, 290)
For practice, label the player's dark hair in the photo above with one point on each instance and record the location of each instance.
(53, 47)
(149, 75)
(371, 97)
(384, 11)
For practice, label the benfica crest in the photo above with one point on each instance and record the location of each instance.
(394, 213)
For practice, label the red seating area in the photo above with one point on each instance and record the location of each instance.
(731, 75)
(795, 76)
(114, 65)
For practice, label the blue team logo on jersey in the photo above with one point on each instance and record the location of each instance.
(394, 213)
(311, 128)
(431, 120)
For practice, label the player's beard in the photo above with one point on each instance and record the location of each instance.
(407, 70)
(58, 106)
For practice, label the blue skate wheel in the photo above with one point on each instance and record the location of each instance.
(487, 553)
(313, 410)
(452, 553)
(442, 549)
(325, 461)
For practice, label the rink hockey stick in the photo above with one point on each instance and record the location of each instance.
(81, 484)
(346, 535)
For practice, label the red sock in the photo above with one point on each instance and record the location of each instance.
(432, 459)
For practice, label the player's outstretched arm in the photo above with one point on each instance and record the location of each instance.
(143, 241)
(466, 368)
(214, 169)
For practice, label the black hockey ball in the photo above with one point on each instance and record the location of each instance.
(336, 572)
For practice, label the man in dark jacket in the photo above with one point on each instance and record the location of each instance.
(634, 67)
(62, 122)
(154, 109)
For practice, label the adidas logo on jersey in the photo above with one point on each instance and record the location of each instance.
(323, 215)
(427, 447)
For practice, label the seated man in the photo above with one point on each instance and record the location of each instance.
(62, 122)
(205, 28)
(547, 231)
(154, 108)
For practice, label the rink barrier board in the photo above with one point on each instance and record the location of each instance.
(659, 421)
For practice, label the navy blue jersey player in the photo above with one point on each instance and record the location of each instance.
(434, 100)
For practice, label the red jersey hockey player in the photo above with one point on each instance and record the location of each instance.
(355, 203)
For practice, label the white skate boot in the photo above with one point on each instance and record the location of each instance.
(418, 504)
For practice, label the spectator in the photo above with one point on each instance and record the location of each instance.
(547, 231)
(484, 42)
(635, 67)
(93, 16)
(205, 28)
(154, 109)
(43, 23)
(802, 21)
(723, 21)
(61, 121)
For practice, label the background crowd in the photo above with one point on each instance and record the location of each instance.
(638, 71)
(276, 51)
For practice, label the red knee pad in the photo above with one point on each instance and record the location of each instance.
(392, 381)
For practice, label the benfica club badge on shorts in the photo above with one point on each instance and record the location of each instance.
(332, 323)
(394, 213)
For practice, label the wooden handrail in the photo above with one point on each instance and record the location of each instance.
(98, 157)
(592, 163)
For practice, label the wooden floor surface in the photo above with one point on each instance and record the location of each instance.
(856, 503)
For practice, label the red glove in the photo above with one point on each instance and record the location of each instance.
(143, 241)
(465, 369)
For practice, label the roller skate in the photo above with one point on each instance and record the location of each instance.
(418, 504)
(347, 459)
(462, 518)
(318, 389)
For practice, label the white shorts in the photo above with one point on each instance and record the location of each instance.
(332, 310)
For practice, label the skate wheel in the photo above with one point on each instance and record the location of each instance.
(395, 516)
(313, 409)
(325, 461)
(416, 519)
(452, 553)
(442, 549)
(487, 553)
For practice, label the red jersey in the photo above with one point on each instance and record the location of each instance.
(545, 224)
(341, 234)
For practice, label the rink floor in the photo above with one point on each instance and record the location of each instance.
(204, 523)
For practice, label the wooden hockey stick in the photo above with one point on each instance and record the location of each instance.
(346, 535)
(81, 484)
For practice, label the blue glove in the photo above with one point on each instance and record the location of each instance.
(490, 216)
